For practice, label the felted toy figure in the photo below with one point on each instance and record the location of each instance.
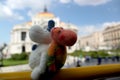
(57, 50)
(37, 58)
(50, 55)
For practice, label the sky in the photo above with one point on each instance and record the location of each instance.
(88, 15)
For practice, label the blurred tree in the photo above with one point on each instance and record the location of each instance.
(1, 53)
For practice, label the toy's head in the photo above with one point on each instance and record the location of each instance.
(39, 35)
(63, 37)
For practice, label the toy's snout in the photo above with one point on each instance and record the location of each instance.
(64, 37)
(39, 35)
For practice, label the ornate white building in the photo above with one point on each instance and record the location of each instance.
(94, 41)
(20, 41)
(112, 36)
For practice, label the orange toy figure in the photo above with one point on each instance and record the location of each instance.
(57, 50)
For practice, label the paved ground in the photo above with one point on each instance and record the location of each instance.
(72, 62)
(15, 68)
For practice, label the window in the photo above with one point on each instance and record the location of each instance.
(23, 48)
(23, 36)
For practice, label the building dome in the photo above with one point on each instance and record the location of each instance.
(45, 14)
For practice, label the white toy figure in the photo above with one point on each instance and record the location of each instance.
(37, 59)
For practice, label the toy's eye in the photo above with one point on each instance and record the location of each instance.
(61, 28)
(59, 31)
(34, 47)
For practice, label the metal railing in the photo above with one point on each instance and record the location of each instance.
(79, 73)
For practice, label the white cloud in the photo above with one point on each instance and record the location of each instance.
(65, 1)
(30, 13)
(89, 29)
(86, 2)
(15, 4)
(106, 24)
(90, 2)
(86, 30)
(17, 16)
(27, 4)
(7, 13)
(12, 8)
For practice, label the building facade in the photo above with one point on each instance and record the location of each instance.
(112, 36)
(93, 41)
(20, 41)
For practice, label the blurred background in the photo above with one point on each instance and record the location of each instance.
(96, 22)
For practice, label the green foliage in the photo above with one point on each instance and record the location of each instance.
(22, 56)
(77, 53)
(10, 62)
(93, 54)
(16, 59)
(103, 53)
(116, 52)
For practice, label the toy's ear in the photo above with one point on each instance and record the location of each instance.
(51, 24)
(34, 47)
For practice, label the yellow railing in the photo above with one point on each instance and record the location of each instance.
(79, 73)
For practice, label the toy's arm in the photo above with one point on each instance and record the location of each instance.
(51, 64)
(43, 61)
(40, 69)
(51, 57)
